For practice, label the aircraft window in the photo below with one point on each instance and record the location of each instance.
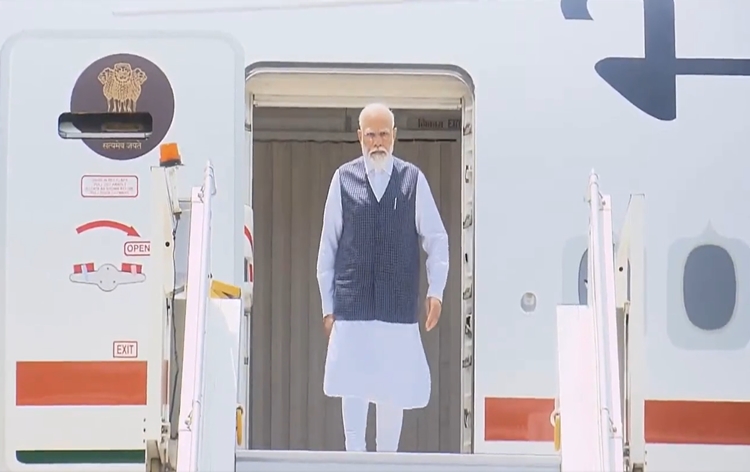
(709, 287)
(131, 125)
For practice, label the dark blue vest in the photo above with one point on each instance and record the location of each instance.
(377, 262)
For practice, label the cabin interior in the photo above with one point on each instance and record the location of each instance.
(294, 154)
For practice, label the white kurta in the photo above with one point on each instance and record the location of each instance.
(378, 361)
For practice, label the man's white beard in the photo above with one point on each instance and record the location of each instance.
(377, 158)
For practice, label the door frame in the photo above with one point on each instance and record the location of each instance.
(402, 86)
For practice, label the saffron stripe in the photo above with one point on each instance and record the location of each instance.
(83, 383)
(518, 419)
(698, 422)
(667, 421)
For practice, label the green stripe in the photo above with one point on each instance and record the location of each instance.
(132, 456)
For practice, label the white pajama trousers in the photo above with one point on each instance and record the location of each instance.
(388, 425)
(381, 363)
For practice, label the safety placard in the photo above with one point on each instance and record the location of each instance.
(125, 349)
(137, 248)
(109, 186)
(110, 275)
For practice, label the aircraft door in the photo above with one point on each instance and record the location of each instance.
(82, 117)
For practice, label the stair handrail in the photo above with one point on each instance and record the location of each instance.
(197, 293)
(601, 300)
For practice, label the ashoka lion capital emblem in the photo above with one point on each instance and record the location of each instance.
(120, 79)
(121, 86)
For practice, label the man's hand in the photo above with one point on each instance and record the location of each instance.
(328, 324)
(433, 307)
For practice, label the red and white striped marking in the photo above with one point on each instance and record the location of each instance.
(132, 268)
(84, 268)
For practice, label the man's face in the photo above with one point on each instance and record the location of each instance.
(377, 136)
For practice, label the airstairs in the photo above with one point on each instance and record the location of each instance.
(196, 420)
(598, 419)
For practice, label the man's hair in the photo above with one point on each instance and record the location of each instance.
(380, 107)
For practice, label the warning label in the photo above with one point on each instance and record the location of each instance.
(109, 186)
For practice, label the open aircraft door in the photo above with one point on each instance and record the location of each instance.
(88, 280)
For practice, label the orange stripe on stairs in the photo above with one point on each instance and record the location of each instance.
(518, 419)
(83, 383)
(667, 421)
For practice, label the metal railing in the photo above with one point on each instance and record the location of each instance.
(197, 293)
(601, 300)
(630, 297)
(595, 416)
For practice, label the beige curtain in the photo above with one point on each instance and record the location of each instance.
(289, 410)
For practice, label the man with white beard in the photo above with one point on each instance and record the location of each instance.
(378, 211)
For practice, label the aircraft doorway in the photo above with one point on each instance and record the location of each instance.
(294, 152)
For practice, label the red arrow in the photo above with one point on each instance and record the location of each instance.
(129, 230)
(249, 237)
